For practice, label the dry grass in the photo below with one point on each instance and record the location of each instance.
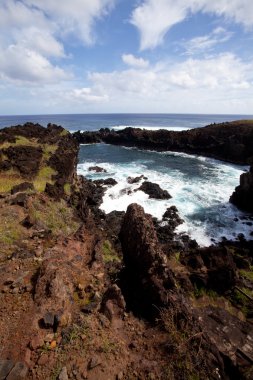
(186, 359)
(10, 228)
(56, 216)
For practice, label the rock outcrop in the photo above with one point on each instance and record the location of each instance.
(231, 141)
(149, 277)
(154, 190)
(243, 194)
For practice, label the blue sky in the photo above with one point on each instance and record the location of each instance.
(98, 56)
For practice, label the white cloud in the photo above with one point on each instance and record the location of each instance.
(153, 18)
(24, 65)
(32, 34)
(133, 61)
(74, 17)
(195, 85)
(207, 42)
(86, 94)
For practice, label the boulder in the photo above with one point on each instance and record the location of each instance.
(24, 186)
(154, 190)
(25, 159)
(211, 267)
(132, 180)
(243, 194)
(96, 169)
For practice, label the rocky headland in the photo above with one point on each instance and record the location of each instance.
(85, 295)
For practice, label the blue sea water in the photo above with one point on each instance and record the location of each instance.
(116, 121)
(200, 187)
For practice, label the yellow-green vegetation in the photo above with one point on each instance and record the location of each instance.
(242, 301)
(56, 216)
(9, 179)
(48, 150)
(201, 292)
(12, 177)
(20, 140)
(109, 253)
(67, 188)
(108, 347)
(64, 132)
(44, 175)
(248, 274)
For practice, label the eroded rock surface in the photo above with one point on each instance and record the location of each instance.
(243, 194)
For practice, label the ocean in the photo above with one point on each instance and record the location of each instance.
(200, 187)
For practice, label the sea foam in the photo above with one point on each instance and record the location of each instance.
(200, 189)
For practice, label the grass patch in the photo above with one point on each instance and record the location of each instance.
(48, 150)
(67, 188)
(10, 229)
(44, 175)
(109, 254)
(20, 140)
(241, 301)
(9, 179)
(186, 360)
(201, 292)
(56, 216)
(248, 274)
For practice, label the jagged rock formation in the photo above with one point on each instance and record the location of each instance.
(230, 141)
(243, 194)
(145, 262)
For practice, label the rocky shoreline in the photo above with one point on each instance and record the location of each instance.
(85, 295)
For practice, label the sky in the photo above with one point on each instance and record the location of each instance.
(126, 56)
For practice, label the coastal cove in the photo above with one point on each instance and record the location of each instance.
(200, 188)
(91, 282)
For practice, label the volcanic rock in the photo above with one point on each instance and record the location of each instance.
(154, 190)
(97, 169)
(149, 276)
(243, 194)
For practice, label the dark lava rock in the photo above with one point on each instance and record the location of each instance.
(243, 194)
(96, 169)
(24, 186)
(64, 160)
(56, 190)
(154, 190)
(107, 182)
(26, 159)
(212, 268)
(19, 199)
(147, 277)
(132, 180)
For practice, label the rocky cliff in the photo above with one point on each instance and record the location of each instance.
(230, 141)
(86, 295)
(243, 194)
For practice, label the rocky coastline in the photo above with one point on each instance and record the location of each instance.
(85, 295)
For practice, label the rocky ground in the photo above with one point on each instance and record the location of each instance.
(86, 295)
